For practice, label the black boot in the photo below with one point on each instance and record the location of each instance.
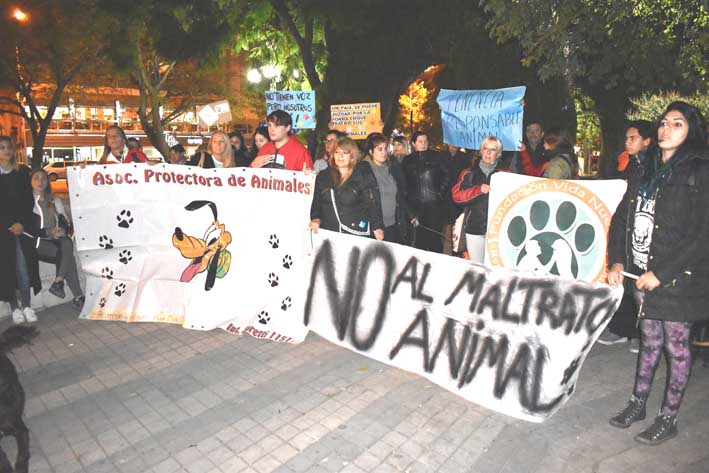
(634, 410)
(664, 428)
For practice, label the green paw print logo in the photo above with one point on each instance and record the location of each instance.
(552, 240)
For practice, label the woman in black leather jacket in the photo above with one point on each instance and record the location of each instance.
(428, 188)
(346, 197)
(659, 232)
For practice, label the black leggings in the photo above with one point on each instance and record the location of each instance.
(61, 252)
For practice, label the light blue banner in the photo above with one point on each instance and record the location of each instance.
(470, 116)
(299, 103)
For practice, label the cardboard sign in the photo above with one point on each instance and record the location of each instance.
(357, 120)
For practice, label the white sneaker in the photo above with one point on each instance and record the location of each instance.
(18, 317)
(30, 315)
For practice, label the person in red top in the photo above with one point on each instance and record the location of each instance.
(532, 151)
(115, 148)
(284, 151)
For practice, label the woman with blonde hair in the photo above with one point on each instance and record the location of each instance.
(18, 260)
(346, 197)
(221, 153)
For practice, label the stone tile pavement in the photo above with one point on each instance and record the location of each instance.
(107, 397)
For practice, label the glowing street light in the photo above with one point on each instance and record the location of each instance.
(253, 76)
(20, 16)
(269, 72)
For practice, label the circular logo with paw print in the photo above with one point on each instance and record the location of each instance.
(551, 227)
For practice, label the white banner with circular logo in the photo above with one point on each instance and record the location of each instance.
(551, 226)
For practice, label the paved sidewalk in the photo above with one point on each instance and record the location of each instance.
(114, 397)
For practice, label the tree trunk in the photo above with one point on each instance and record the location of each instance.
(611, 106)
(38, 149)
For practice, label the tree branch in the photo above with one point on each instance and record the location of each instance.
(305, 45)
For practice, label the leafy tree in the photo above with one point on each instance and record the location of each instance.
(611, 50)
(43, 54)
(369, 51)
(169, 51)
(651, 106)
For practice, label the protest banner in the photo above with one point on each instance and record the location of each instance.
(300, 104)
(214, 113)
(470, 116)
(551, 226)
(357, 120)
(510, 341)
(167, 243)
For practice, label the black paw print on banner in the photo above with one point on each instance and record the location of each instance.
(263, 317)
(125, 256)
(273, 241)
(272, 279)
(124, 219)
(105, 242)
(102, 303)
(287, 261)
(286, 303)
(120, 289)
(106, 273)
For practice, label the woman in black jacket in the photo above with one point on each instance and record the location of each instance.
(659, 232)
(346, 198)
(19, 268)
(392, 189)
(472, 190)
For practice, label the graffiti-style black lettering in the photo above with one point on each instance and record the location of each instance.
(505, 310)
(491, 299)
(420, 295)
(372, 254)
(408, 274)
(407, 337)
(456, 350)
(473, 283)
(546, 306)
(340, 307)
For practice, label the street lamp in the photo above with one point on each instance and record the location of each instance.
(20, 16)
(269, 72)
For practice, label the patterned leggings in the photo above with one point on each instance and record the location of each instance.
(674, 337)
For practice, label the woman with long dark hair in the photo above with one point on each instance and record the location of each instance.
(392, 188)
(346, 198)
(53, 243)
(660, 232)
(115, 148)
(19, 269)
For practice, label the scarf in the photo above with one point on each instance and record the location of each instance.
(487, 168)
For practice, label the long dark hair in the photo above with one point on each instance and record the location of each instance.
(106, 148)
(696, 141)
(697, 126)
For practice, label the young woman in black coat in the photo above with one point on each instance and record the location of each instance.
(660, 232)
(346, 197)
(19, 268)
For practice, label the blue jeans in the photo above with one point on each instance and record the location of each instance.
(23, 277)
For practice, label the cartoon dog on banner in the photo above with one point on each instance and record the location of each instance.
(208, 253)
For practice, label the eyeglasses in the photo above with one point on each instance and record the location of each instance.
(331, 140)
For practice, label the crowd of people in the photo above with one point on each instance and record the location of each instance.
(402, 191)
